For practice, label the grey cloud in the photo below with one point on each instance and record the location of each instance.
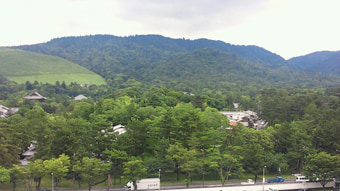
(189, 14)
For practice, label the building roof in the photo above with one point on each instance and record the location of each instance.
(5, 111)
(233, 123)
(34, 96)
(3, 108)
(80, 97)
(120, 129)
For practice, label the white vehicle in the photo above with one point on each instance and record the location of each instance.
(273, 189)
(249, 181)
(301, 178)
(145, 184)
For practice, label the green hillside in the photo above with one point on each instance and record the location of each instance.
(181, 64)
(21, 66)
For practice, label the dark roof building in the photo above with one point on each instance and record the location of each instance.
(35, 96)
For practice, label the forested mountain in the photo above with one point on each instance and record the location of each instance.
(324, 62)
(157, 43)
(186, 65)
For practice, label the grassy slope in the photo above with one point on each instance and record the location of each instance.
(21, 66)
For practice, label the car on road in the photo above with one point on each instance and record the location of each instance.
(249, 181)
(277, 179)
(301, 178)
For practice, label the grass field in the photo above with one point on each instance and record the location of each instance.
(68, 78)
(21, 66)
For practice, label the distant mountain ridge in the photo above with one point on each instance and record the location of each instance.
(253, 53)
(323, 61)
(178, 63)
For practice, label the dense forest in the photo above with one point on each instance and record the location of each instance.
(167, 95)
(182, 64)
(168, 130)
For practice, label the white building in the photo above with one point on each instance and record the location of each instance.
(80, 97)
(246, 118)
(5, 111)
(120, 129)
(27, 155)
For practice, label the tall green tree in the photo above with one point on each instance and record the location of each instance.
(37, 169)
(185, 160)
(58, 166)
(301, 145)
(226, 161)
(322, 167)
(134, 170)
(9, 151)
(22, 174)
(257, 145)
(188, 123)
(17, 175)
(92, 170)
(117, 158)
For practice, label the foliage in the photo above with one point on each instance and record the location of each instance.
(185, 160)
(38, 171)
(8, 146)
(167, 94)
(184, 65)
(322, 167)
(92, 169)
(21, 174)
(164, 129)
(57, 167)
(226, 161)
(134, 170)
(4, 174)
(17, 175)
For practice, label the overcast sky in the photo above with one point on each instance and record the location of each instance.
(285, 27)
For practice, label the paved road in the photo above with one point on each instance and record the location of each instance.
(192, 186)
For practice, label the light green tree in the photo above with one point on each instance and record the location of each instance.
(21, 174)
(58, 166)
(226, 162)
(185, 160)
(134, 170)
(117, 158)
(323, 167)
(17, 174)
(37, 169)
(4, 174)
(92, 169)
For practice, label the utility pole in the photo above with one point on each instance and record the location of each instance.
(108, 182)
(159, 176)
(52, 181)
(263, 179)
(202, 150)
(74, 174)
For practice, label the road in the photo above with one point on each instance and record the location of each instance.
(208, 186)
(237, 186)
